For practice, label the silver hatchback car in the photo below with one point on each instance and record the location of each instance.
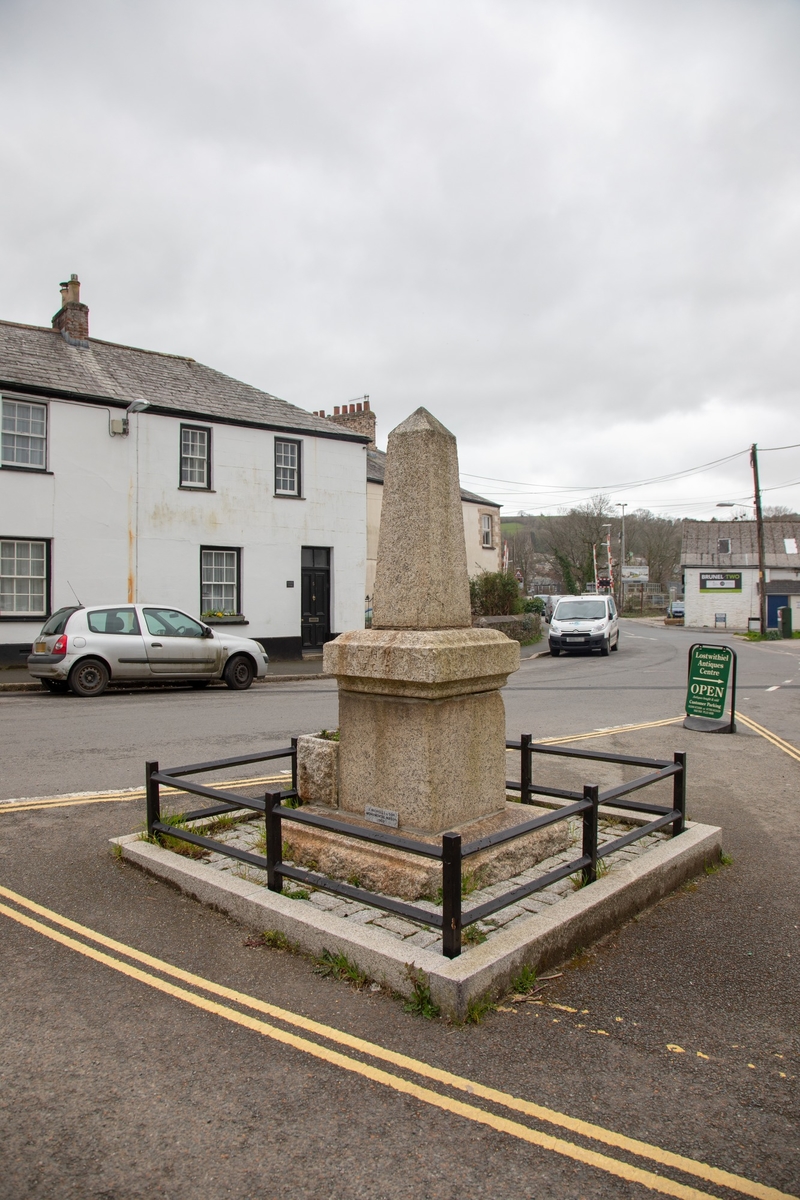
(82, 649)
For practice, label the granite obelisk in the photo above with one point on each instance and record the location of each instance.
(421, 718)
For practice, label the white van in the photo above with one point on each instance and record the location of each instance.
(584, 623)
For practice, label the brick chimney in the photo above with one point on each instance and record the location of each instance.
(357, 417)
(72, 319)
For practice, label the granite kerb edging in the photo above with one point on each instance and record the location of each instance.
(542, 941)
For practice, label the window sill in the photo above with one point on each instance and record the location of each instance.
(187, 487)
(286, 496)
(27, 470)
(23, 618)
(236, 619)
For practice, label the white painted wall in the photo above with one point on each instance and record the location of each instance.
(701, 606)
(89, 505)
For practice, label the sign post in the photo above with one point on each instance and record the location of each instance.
(711, 669)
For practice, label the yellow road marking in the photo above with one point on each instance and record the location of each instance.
(603, 1162)
(77, 798)
(584, 1128)
(601, 733)
(786, 747)
(580, 737)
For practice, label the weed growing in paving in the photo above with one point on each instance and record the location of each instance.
(421, 1002)
(725, 859)
(473, 936)
(479, 1008)
(116, 850)
(273, 938)
(176, 845)
(525, 981)
(221, 823)
(340, 967)
(578, 881)
(298, 894)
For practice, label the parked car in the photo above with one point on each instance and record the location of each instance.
(676, 609)
(584, 622)
(82, 649)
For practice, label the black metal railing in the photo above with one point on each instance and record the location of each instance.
(451, 852)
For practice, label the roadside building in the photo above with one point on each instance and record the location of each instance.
(481, 517)
(215, 497)
(720, 572)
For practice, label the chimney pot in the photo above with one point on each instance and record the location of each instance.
(72, 319)
(358, 408)
(366, 405)
(336, 410)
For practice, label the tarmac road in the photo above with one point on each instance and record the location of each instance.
(681, 1030)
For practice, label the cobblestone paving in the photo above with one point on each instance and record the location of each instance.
(249, 836)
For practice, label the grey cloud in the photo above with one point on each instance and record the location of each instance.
(537, 219)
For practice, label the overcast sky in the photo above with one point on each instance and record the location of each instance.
(570, 229)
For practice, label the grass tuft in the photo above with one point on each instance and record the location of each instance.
(472, 935)
(339, 966)
(421, 1003)
(525, 981)
(478, 1009)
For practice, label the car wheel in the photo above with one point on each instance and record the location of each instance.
(239, 673)
(605, 648)
(55, 685)
(89, 677)
(616, 644)
(555, 652)
(199, 683)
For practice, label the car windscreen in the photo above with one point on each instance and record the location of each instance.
(58, 622)
(580, 610)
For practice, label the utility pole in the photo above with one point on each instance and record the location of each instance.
(762, 574)
(622, 557)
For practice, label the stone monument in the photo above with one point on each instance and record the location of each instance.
(421, 718)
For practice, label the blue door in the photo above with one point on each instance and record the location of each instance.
(773, 604)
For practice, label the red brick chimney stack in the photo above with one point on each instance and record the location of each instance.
(72, 318)
(356, 416)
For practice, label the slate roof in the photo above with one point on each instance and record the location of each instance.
(40, 360)
(376, 470)
(700, 548)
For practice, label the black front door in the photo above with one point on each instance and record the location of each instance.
(316, 596)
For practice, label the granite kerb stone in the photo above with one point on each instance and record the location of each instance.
(539, 939)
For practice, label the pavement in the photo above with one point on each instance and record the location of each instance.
(122, 1078)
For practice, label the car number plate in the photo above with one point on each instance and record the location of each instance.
(40, 648)
(575, 638)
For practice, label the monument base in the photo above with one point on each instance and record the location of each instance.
(410, 877)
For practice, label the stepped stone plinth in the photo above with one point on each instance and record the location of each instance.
(421, 719)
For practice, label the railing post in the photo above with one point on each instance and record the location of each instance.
(294, 764)
(679, 793)
(272, 817)
(591, 792)
(152, 795)
(451, 894)
(525, 768)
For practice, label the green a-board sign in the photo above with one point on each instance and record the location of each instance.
(710, 670)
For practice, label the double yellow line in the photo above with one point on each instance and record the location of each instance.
(78, 798)
(193, 993)
(786, 747)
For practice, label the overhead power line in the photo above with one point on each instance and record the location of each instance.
(545, 489)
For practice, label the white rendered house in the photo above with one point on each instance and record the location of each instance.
(127, 474)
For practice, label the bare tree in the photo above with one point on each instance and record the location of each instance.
(571, 536)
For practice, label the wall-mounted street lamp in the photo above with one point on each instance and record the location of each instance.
(121, 425)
